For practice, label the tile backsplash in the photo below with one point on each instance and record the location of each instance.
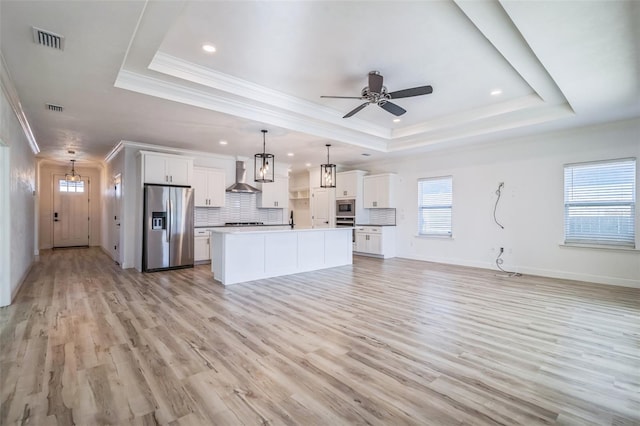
(382, 216)
(239, 208)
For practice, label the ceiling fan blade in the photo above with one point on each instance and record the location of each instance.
(415, 91)
(343, 97)
(392, 108)
(375, 82)
(354, 111)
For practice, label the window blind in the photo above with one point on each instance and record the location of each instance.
(599, 202)
(434, 205)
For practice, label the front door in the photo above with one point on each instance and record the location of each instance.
(70, 212)
(320, 210)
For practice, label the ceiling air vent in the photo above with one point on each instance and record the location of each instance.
(56, 108)
(47, 38)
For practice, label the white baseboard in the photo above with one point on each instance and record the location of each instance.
(15, 291)
(550, 273)
(106, 251)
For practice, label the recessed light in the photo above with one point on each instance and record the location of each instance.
(396, 120)
(223, 142)
(496, 92)
(290, 154)
(209, 48)
(307, 164)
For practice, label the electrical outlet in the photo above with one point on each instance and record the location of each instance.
(501, 250)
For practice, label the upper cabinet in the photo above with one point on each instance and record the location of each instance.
(275, 194)
(349, 184)
(166, 169)
(209, 186)
(379, 191)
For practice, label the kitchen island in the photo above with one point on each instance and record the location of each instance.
(239, 255)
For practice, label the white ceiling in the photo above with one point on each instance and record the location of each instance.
(135, 70)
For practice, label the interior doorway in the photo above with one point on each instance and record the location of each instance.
(115, 227)
(5, 260)
(70, 212)
(320, 215)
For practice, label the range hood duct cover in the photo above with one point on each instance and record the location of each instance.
(241, 185)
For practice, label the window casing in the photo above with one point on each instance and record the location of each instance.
(599, 203)
(435, 196)
(70, 186)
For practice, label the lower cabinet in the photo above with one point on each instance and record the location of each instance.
(377, 241)
(201, 247)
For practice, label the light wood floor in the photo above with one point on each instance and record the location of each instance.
(381, 342)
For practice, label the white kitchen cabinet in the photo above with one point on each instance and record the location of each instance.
(379, 241)
(201, 246)
(166, 169)
(209, 186)
(349, 185)
(379, 191)
(275, 194)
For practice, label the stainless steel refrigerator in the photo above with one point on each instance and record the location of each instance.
(168, 228)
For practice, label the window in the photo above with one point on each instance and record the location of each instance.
(599, 203)
(434, 203)
(71, 186)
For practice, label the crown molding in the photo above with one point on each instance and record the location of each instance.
(515, 120)
(172, 150)
(114, 152)
(174, 92)
(469, 118)
(176, 67)
(180, 151)
(12, 97)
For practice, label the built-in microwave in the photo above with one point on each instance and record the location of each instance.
(345, 208)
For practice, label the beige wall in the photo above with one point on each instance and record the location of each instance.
(17, 186)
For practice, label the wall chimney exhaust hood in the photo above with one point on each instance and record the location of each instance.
(240, 185)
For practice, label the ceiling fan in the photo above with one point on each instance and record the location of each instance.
(376, 93)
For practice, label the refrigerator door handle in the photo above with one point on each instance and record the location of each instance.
(168, 220)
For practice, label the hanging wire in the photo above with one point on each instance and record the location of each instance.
(500, 261)
(495, 207)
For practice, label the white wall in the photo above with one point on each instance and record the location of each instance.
(46, 173)
(17, 184)
(531, 208)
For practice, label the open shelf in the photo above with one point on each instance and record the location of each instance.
(299, 194)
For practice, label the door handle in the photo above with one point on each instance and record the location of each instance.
(168, 237)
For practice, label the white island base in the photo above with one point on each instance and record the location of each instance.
(245, 255)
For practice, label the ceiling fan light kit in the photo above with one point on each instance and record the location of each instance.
(264, 170)
(376, 93)
(328, 173)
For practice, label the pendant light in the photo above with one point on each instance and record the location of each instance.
(73, 176)
(264, 164)
(328, 173)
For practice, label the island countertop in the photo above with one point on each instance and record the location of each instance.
(240, 255)
(258, 230)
